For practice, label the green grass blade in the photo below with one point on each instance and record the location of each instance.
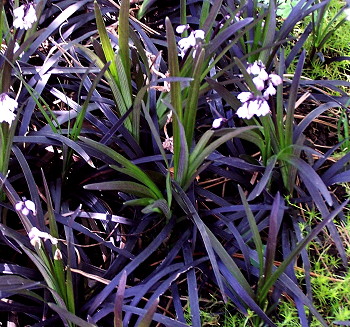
(123, 186)
(144, 7)
(175, 90)
(125, 82)
(200, 153)
(117, 94)
(76, 129)
(269, 31)
(58, 268)
(123, 39)
(190, 112)
(136, 171)
(106, 43)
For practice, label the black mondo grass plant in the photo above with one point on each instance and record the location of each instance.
(151, 159)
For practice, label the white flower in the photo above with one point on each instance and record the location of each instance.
(218, 122)
(190, 41)
(263, 75)
(182, 28)
(275, 79)
(269, 91)
(259, 83)
(186, 43)
(7, 108)
(260, 106)
(199, 34)
(245, 96)
(255, 106)
(255, 67)
(7, 102)
(25, 16)
(35, 235)
(347, 13)
(25, 207)
(18, 14)
(258, 68)
(244, 112)
(30, 17)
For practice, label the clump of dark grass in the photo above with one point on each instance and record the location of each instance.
(147, 206)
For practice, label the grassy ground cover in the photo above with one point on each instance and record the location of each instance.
(174, 163)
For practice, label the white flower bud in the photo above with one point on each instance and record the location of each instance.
(58, 254)
(182, 28)
(217, 122)
(26, 207)
(275, 79)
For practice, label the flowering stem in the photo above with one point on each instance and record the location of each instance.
(271, 143)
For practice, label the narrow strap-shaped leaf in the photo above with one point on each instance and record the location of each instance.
(175, 90)
(96, 301)
(293, 93)
(141, 176)
(81, 115)
(33, 188)
(255, 231)
(225, 93)
(123, 39)
(147, 318)
(119, 299)
(314, 180)
(245, 297)
(182, 166)
(264, 179)
(144, 7)
(115, 88)
(271, 245)
(58, 270)
(336, 167)
(343, 177)
(76, 147)
(202, 143)
(190, 112)
(192, 287)
(311, 117)
(124, 80)
(160, 206)
(123, 186)
(269, 31)
(211, 18)
(68, 316)
(200, 153)
(106, 42)
(247, 78)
